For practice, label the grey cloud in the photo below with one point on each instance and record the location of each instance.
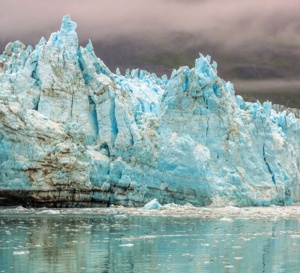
(230, 22)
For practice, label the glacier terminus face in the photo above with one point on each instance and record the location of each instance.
(73, 133)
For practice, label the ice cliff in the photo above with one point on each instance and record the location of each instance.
(72, 133)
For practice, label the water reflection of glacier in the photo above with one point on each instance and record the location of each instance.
(119, 243)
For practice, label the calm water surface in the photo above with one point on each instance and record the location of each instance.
(119, 243)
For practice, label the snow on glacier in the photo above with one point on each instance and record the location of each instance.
(73, 133)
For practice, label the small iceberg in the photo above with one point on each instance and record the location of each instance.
(153, 204)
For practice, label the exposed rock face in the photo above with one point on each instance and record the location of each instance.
(72, 133)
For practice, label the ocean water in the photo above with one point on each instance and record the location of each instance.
(66, 243)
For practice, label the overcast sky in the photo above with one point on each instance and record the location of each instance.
(230, 22)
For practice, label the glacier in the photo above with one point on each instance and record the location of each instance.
(73, 133)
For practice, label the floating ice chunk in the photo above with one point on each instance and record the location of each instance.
(232, 208)
(20, 252)
(226, 219)
(172, 206)
(127, 245)
(20, 209)
(121, 216)
(49, 211)
(238, 258)
(153, 204)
